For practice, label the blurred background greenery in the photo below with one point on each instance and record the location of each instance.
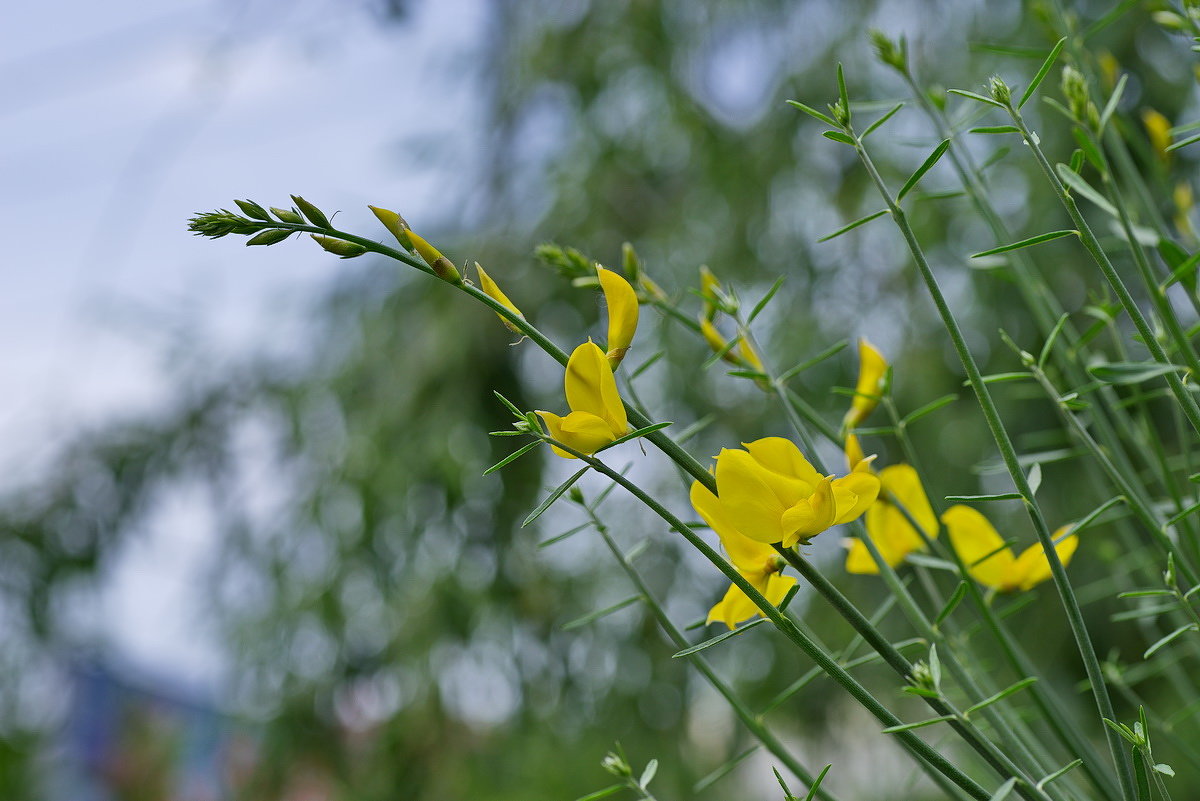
(390, 631)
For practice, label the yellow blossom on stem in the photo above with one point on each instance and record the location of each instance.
(597, 414)
(872, 368)
(622, 313)
(771, 494)
(894, 536)
(1158, 128)
(991, 562)
(758, 562)
(495, 293)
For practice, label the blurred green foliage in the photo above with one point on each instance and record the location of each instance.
(391, 631)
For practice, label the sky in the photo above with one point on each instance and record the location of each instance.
(120, 120)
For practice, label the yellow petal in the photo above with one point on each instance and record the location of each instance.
(622, 313)
(777, 588)
(902, 485)
(747, 555)
(1032, 567)
(871, 369)
(735, 607)
(854, 453)
(858, 558)
(811, 516)
(782, 457)
(976, 539)
(714, 339)
(853, 495)
(749, 498)
(582, 431)
(591, 387)
(1158, 128)
(495, 293)
(749, 355)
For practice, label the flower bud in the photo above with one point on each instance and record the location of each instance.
(394, 223)
(269, 237)
(314, 215)
(254, 210)
(495, 293)
(442, 267)
(631, 263)
(288, 215)
(339, 247)
(999, 90)
(894, 54)
(1158, 129)
(709, 287)
(622, 313)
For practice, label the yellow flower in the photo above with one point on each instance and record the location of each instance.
(770, 493)
(889, 529)
(991, 562)
(622, 313)
(758, 562)
(495, 293)
(1158, 128)
(871, 370)
(709, 287)
(597, 415)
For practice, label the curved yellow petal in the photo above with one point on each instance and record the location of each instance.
(591, 387)
(780, 455)
(858, 558)
(747, 555)
(495, 293)
(1032, 567)
(871, 369)
(854, 454)
(853, 495)
(583, 431)
(988, 559)
(811, 516)
(749, 355)
(622, 313)
(777, 587)
(714, 338)
(751, 501)
(902, 485)
(735, 607)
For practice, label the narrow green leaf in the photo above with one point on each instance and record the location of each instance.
(605, 793)
(1064, 770)
(919, 724)
(695, 428)
(928, 408)
(1082, 188)
(843, 95)
(716, 357)
(1138, 614)
(646, 365)
(815, 360)
(1025, 243)
(1113, 101)
(762, 304)
(1049, 344)
(838, 136)
(1000, 696)
(1000, 378)
(851, 226)
(722, 771)
(791, 594)
(1090, 151)
(554, 496)
(512, 457)
(648, 773)
(599, 613)
(959, 593)
(812, 112)
(932, 159)
(1176, 518)
(816, 785)
(1001, 496)
(757, 375)
(1123, 730)
(719, 638)
(995, 129)
(1041, 73)
(1131, 372)
(1185, 271)
(641, 432)
(1167, 640)
(1144, 593)
(565, 535)
(1185, 128)
(1142, 775)
(1003, 790)
(881, 121)
(1176, 145)
(973, 96)
(520, 415)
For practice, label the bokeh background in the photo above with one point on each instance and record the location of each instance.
(245, 547)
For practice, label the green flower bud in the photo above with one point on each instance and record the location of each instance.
(217, 224)
(999, 90)
(269, 237)
(894, 54)
(288, 215)
(631, 263)
(314, 215)
(254, 210)
(339, 247)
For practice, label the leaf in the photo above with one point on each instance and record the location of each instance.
(1088, 146)
(881, 121)
(1025, 243)
(1084, 189)
(1003, 790)
(931, 160)
(973, 96)
(1176, 145)
(928, 408)
(512, 457)
(1035, 478)
(838, 136)
(648, 773)
(855, 224)
(1167, 640)
(1001, 496)
(816, 785)
(843, 95)
(722, 771)
(719, 638)
(1144, 593)
(1113, 101)
(1131, 372)
(1070, 766)
(919, 724)
(1000, 696)
(641, 432)
(995, 129)
(560, 537)
(605, 793)
(646, 365)
(815, 360)
(1054, 332)
(812, 112)
(695, 428)
(959, 593)
(520, 415)
(1041, 73)
(555, 495)
(599, 613)
(762, 304)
